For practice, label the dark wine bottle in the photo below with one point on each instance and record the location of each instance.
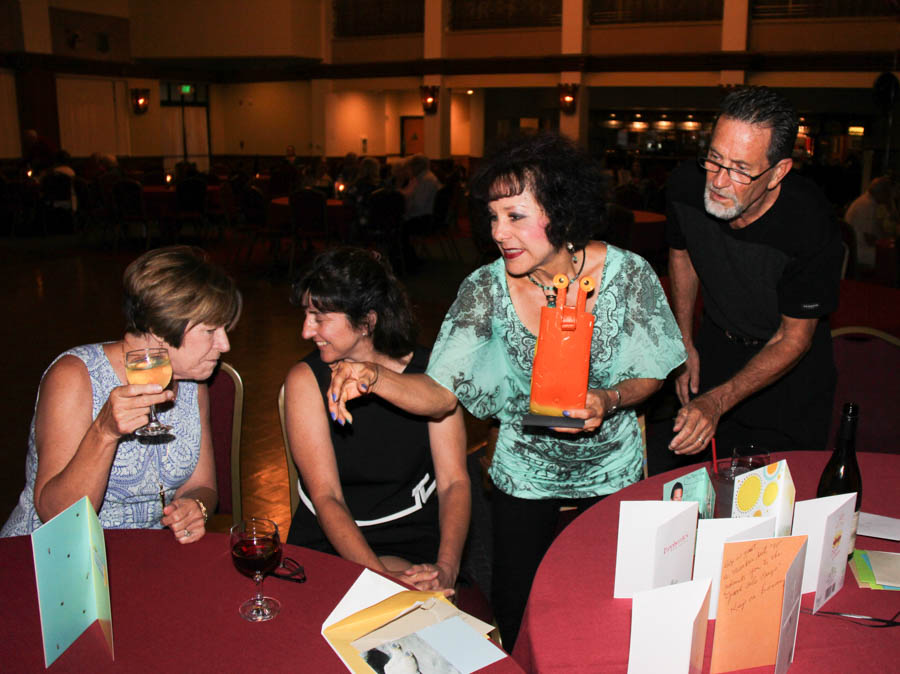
(841, 474)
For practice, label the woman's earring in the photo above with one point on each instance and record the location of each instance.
(570, 247)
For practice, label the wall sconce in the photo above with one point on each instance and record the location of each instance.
(429, 99)
(568, 98)
(140, 100)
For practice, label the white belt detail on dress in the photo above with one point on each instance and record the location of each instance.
(420, 493)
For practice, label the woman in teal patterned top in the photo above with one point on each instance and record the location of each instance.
(541, 198)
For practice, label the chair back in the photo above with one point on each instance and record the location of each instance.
(253, 206)
(308, 211)
(440, 214)
(57, 188)
(226, 407)
(386, 209)
(129, 200)
(229, 206)
(293, 476)
(868, 361)
(190, 195)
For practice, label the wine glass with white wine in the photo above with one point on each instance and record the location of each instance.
(149, 366)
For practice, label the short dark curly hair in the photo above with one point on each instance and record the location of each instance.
(564, 180)
(767, 108)
(354, 282)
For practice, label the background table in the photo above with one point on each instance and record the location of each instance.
(160, 201)
(175, 608)
(573, 624)
(338, 213)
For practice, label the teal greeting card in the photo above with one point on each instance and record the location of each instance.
(695, 486)
(72, 580)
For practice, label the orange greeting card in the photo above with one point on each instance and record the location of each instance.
(559, 376)
(759, 604)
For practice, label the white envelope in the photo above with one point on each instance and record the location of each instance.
(712, 536)
(370, 588)
(826, 522)
(655, 545)
(668, 628)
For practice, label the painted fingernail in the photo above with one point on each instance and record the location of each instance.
(565, 413)
(333, 416)
(341, 422)
(334, 397)
(363, 386)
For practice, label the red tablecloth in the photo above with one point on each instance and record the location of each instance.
(868, 304)
(337, 212)
(160, 201)
(573, 624)
(175, 609)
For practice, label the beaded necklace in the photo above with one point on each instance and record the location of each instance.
(550, 292)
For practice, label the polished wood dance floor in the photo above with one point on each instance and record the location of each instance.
(60, 292)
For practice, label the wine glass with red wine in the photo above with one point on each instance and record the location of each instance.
(256, 551)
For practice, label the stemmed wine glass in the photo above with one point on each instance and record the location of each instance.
(256, 551)
(149, 366)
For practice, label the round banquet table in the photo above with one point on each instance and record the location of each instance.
(175, 608)
(338, 213)
(160, 200)
(573, 624)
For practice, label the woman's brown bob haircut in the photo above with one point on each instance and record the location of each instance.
(168, 290)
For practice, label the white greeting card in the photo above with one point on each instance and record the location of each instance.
(827, 522)
(655, 545)
(766, 491)
(711, 538)
(668, 628)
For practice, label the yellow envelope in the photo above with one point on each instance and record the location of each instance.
(401, 614)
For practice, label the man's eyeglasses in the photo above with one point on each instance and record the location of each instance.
(290, 570)
(735, 175)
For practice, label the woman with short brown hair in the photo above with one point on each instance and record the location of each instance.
(82, 439)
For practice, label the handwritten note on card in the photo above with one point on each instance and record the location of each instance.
(752, 599)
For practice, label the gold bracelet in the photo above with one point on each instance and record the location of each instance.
(202, 509)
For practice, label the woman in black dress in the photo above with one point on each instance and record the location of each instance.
(390, 490)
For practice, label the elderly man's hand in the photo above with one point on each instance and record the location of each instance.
(695, 424)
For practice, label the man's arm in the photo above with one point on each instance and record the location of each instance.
(697, 420)
(684, 284)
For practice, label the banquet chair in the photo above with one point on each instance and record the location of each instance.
(868, 361)
(443, 220)
(309, 215)
(226, 406)
(383, 231)
(130, 209)
(293, 476)
(58, 206)
(190, 200)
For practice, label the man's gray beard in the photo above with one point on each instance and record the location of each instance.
(718, 210)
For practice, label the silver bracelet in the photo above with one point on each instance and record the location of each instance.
(615, 407)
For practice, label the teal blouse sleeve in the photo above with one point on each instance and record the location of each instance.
(467, 357)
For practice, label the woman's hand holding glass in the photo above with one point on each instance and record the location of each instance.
(186, 519)
(128, 407)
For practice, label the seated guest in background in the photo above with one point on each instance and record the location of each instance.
(319, 178)
(765, 246)
(290, 156)
(390, 491)
(539, 197)
(349, 172)
(82, 440)
(871, 218)
(358, 194)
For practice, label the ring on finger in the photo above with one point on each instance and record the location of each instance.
(187, 533)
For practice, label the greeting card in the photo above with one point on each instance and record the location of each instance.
(655, 545)
(72, 581)
(766, 491)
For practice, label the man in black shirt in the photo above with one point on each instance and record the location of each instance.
(764, 246)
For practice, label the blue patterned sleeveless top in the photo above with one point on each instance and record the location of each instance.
(132, 494)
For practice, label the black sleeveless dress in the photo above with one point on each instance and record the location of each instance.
(386, 474)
